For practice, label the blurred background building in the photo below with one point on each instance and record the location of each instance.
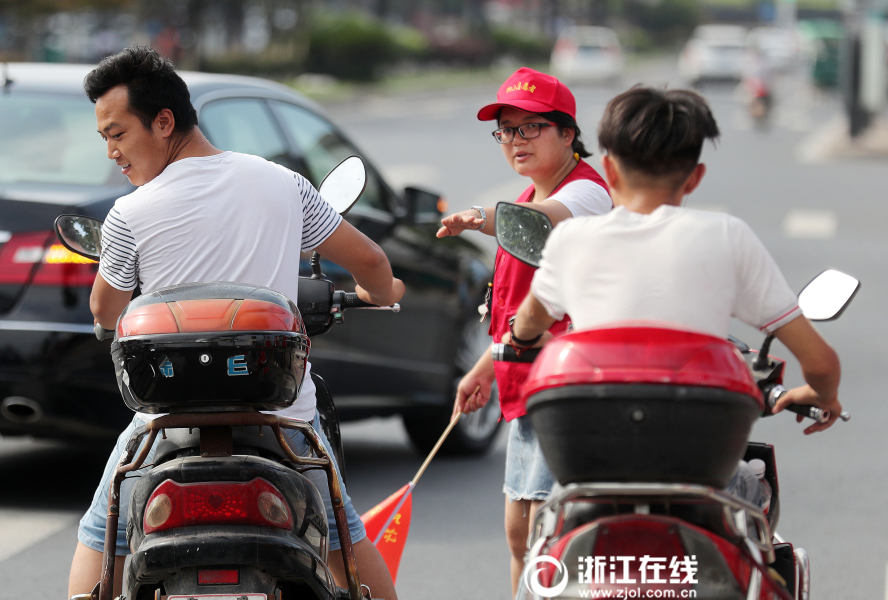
(837, 42)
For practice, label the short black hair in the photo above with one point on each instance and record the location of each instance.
(152, 84)
(657, 132)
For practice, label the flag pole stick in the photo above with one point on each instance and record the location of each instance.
(434, 451)
(422, 468)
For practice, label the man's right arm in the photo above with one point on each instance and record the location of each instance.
(368, 264)
(820, 368)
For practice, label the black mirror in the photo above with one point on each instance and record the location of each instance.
(423, 206)
(522, 232)
(342, 186)
(827, 295)
(81, 235)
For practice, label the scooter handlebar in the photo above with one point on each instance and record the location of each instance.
(102, 333)
(507, 353)
(351, 300)
(806, 410)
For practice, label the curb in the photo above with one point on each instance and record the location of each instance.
(832, 141)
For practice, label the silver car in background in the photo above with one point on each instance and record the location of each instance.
(585, 53)
(714, 52)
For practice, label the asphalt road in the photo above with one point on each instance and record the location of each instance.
(811, 216)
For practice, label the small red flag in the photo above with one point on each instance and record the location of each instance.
(388, 524)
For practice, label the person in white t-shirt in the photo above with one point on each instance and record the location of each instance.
(652, 259)
(201, 214)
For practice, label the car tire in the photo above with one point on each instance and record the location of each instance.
(475, 433)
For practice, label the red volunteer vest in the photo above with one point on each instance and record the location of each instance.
(511, 284)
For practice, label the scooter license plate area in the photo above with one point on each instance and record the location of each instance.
(218, 597)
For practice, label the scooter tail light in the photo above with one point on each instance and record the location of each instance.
(158, 511)
(218, 577)
(256, 502)
(272, 508)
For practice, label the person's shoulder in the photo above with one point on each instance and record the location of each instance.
(715, 218)
(126, 203)
(251, 161)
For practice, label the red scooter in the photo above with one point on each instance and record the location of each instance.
(643, 426)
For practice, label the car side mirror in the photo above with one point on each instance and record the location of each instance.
(424, 206)
(81, 235)
(827, 295)
(522, 232)
(342, 186)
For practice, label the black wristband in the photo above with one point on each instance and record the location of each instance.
(516, 340)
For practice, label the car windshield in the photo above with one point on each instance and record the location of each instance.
(51, 138)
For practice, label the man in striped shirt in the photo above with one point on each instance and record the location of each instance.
(201, 214)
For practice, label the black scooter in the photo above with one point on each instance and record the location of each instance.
(225, 512)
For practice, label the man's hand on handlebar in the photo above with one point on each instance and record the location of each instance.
(807, 396)
(397, 292)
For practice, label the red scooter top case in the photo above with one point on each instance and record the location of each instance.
(642, 401)
(641, 352)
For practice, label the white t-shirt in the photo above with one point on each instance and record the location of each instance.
(686, 267)
(226, 217)
(583, 197)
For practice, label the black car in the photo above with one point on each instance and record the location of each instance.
(56, 379)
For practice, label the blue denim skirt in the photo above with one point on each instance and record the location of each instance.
(527, 474)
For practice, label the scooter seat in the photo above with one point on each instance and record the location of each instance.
(249, 440)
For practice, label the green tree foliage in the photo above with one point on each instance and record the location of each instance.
(666, 21)
(355, 46)
(36, 7)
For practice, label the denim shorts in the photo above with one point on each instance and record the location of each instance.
(527, 474)
(92, 526)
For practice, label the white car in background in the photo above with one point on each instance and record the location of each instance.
(779, 47)
(587, 53)
(714, 52)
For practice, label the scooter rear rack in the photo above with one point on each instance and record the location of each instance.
(734, 510)
(216, 440)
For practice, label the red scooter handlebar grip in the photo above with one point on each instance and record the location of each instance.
(506, 353)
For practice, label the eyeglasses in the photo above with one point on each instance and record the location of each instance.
(528, 131)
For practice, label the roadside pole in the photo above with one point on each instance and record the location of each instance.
(864, 72)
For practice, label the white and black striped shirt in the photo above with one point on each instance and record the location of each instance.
(227, 217)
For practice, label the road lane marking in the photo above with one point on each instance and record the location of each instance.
(810, 224)
(20, 529)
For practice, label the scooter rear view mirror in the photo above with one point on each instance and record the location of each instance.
(522, 232)
(342, 186)
(81, 235)
(827, 295)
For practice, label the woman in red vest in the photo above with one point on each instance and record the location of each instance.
(538, 134)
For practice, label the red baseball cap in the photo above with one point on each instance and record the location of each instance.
(531, 91)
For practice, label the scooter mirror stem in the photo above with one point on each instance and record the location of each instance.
(761, 361)
(316, 266)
